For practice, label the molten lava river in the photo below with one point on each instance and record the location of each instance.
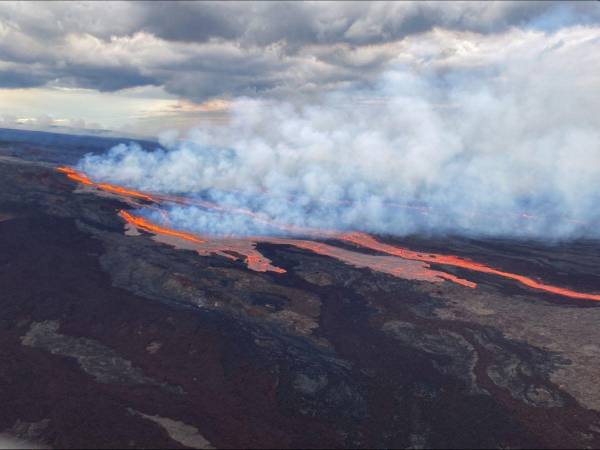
(390, 259)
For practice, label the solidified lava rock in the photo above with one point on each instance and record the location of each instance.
(109, 340)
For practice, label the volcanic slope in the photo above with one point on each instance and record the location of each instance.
(111, 338)
(397, 265)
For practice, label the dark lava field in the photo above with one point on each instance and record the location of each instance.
(109, 340)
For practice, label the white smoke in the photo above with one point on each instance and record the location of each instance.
(502, 141)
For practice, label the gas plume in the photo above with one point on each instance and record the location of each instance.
(509, 148)
(400, 263)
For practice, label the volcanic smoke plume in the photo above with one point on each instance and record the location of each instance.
(511, 148)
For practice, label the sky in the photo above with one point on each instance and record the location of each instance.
(142, 68)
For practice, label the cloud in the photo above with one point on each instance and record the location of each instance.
(357, 23)
(105, 78)
(216, 49)
(49, 123)
(470, 133)
(21, 78)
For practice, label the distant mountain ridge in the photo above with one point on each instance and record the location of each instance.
(57, 147)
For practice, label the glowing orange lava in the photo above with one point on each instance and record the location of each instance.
(399, 267)
(259, 263)
(367, 241)
(246, 247)
(146, 225)
(84, 179)
(225, 247)
(74, 175)
(256, 261)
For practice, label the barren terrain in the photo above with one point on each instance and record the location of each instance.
(113, 338)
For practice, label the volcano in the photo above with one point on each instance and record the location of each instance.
(120, 331)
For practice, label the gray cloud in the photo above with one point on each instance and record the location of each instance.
(200, 50)
(20, 78)
(103, 78)
(358, 23)
(193, 21)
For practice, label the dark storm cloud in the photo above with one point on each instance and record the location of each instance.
(296, 23)
(204, 49)
(192, 21)
(202, 85)
(106, 79)
(21, 79)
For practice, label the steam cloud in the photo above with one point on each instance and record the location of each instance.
(510, 147)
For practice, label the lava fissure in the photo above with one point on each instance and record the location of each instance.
(256, 261)
(367, 241)
(246, 247)
(146, 225)
(79, 177)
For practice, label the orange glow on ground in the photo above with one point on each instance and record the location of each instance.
(227, 248)
(246, 247)
(398, 267)
(79, 177)
(256, 261)
(367, 241)
(122, 191)
(74, 175)
(146, 225)
(259, 263)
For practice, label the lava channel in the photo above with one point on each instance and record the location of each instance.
(367, 241)
(256, 261)
(246, 248)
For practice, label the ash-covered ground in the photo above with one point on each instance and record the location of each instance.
(115, 340)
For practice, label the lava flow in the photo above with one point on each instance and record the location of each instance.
(367, 241)
(400, 265)
(79, 177)
(146, 225)
(246, 247)
(84, 179)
